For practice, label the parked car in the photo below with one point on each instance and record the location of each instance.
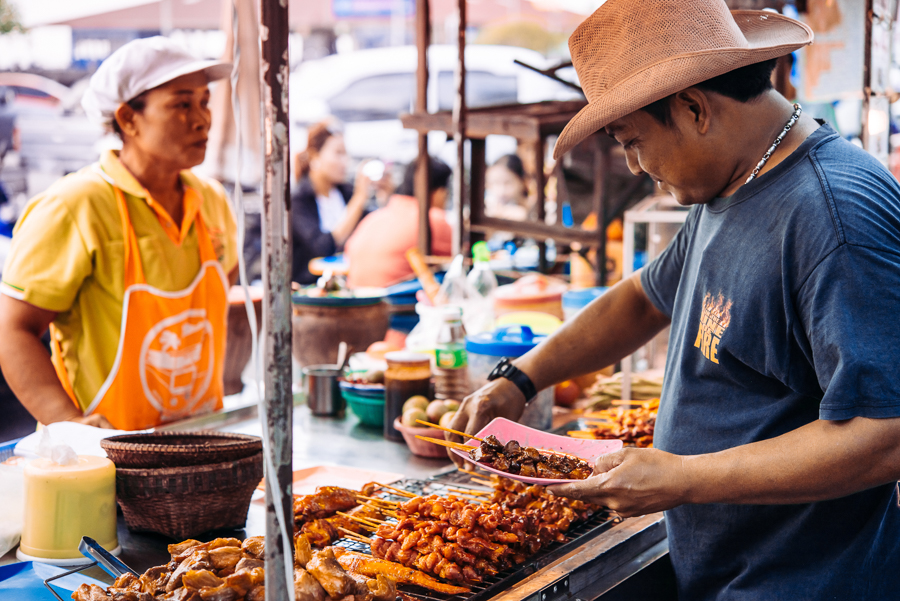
(56, 136)
(367, 90)
(8, 133)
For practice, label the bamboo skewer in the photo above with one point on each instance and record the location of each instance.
(370, 522)
(451, 431)
(470, 472)
(355, 536)
(481, 482)
(474, 493)
(446, 443)
(376, 499)
(399, 491)
(383, 511)
(646, 403)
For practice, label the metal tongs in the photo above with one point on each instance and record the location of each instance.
(100, 556)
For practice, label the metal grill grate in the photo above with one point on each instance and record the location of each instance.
(492, 585)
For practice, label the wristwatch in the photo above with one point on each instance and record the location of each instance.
(505, 369)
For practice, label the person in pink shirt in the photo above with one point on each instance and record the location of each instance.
(377, 249)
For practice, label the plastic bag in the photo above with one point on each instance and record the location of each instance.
(12, 502)
(456, 290)
(57, 452)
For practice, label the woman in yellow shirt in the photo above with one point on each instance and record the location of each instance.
(126, 261)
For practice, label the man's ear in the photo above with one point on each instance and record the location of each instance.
(693, 103)
(124, 116)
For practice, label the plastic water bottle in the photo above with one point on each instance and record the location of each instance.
(481, 277)
(451, 369)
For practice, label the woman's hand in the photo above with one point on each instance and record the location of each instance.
(355, 207)
(95, 419)
(362, 185)
(632, 482)
(500, 398)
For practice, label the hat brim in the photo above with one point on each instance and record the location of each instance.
(769, 35)
(213, 70)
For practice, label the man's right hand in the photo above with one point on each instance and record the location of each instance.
(500, 398)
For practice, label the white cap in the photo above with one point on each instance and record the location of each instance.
(138, 66)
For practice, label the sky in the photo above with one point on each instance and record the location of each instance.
(35, 12)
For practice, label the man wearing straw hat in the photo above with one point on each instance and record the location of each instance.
(778, 440)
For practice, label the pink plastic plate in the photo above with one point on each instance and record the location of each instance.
(506, 430)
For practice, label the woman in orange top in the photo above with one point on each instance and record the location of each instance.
(126, 261)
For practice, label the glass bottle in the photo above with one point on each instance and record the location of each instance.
(408, 375)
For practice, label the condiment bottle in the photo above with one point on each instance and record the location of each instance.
(451, 373)
(408, 374)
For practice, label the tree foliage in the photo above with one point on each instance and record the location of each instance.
(9, 19)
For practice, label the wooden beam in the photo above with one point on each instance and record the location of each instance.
(459, 133)
(423, 169)
(537, 230)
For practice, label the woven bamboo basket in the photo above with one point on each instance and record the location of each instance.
(181, 502)
(174, 449)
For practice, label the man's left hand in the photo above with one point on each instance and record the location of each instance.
(631, 482)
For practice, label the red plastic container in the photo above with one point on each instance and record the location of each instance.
(419, 447)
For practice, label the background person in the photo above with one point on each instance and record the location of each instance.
(506, 191)
(126, 260)
(324, 208)
(377, 249)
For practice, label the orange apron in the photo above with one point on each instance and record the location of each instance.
(171, 353)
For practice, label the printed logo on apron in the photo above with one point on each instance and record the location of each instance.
(176, 364)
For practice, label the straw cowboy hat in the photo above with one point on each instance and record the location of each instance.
(630, 53)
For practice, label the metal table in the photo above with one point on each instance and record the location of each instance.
(586, 573)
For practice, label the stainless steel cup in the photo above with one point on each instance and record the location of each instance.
(323, 393)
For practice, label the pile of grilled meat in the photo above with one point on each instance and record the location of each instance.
(528, 461)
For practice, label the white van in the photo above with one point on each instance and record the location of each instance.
(367, 90)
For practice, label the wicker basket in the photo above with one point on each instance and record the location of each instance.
(174, 449)
(182, 502)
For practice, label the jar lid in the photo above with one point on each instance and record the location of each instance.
(451, 313)
(509, 341)
(531, 288)
(407, 358)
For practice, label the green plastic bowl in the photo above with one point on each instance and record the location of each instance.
(369, 411)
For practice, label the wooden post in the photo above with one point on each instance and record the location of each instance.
(459, 135)
(876, 105)
(423, 168)
(276, 234)
(600, 195)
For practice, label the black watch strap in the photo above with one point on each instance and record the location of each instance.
(505, 369)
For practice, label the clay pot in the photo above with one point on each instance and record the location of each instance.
(319, 330)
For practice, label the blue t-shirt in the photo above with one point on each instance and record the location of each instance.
(784, 301)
